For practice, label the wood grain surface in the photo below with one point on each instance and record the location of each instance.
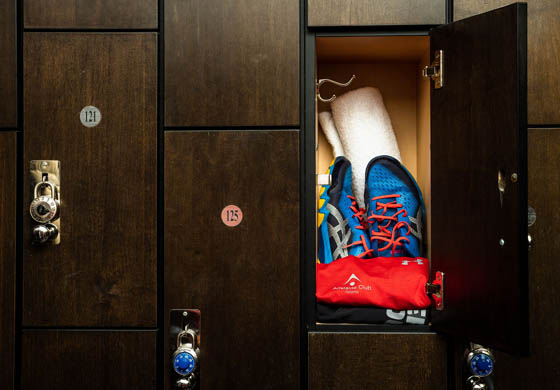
(88, 360)
(90, 14)
(374, 12)
(8, 69)
(231, 62)
(478, 129)
(104, 271)
(543, 56)
(244, 279)
(359, 361)
(540, 369)
(7, 257)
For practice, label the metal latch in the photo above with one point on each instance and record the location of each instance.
(435, 71)
(436, 290)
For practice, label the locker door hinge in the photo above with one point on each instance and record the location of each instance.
(436, 289)
(435, 71)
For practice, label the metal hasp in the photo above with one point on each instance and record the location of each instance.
(44, 209)
(436, 289)
(184, 348)
(435, 71)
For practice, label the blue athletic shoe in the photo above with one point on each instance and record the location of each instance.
(342, 226)
(395, 209)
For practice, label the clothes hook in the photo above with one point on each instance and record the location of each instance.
(323, 81)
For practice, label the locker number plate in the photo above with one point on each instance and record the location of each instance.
(90, 116)
(232, 215)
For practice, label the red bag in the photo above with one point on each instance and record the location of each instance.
(397, 283)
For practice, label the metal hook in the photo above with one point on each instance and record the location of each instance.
(323, 81)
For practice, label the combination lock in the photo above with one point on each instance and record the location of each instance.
(44, 208)
(185, 358)
(480, 361)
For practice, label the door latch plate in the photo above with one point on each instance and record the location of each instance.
(437, 290)
(47, 171)
(436, 70)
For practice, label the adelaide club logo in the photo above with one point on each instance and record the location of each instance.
(351, 280)
(353, 285)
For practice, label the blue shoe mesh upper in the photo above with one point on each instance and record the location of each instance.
(339, 227)
(387, 176)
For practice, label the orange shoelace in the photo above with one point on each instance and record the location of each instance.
(359, 215)
(385, 233)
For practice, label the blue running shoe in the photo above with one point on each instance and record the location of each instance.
(395, 209)
(342, 226)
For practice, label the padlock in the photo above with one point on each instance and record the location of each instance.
(480, 360)
(185, 358)
(186, 382)
(44, 208)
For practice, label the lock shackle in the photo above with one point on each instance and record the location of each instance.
(42, 184)
(185, 333)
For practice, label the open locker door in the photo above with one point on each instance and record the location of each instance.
(479, 178)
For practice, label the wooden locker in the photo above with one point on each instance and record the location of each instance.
(104, 271)
(375, 12)
(543, 58)
(7, 257)
(88, 360)
(463, 137)
(357, 361)
(114, 14)
(244, 279)
(232, 63)
(479, 179)
(8, 70)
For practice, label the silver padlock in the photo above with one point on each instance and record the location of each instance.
(44, 233)
(186, 357)
(44, 208)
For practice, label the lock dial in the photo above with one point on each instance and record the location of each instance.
(43, 209)
(480, 361)
(184, 363)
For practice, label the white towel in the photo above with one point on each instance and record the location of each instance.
(365, 130)
(329, 129)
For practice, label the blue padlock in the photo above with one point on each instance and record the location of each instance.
(185, 358)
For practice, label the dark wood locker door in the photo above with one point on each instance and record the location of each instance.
(115, 14)
(358, 361)
(103, 274)
(543, 57)
(375, 12)
(232, 63)
(478, 149)
(8, 70)
(7, 257)
(540, 369)
(244, 279)
(88, 360)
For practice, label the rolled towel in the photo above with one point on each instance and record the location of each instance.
(329, 129)
(365, 131)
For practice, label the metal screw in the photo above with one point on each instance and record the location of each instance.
(502, 242)
(514, 177)
(44, 164)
